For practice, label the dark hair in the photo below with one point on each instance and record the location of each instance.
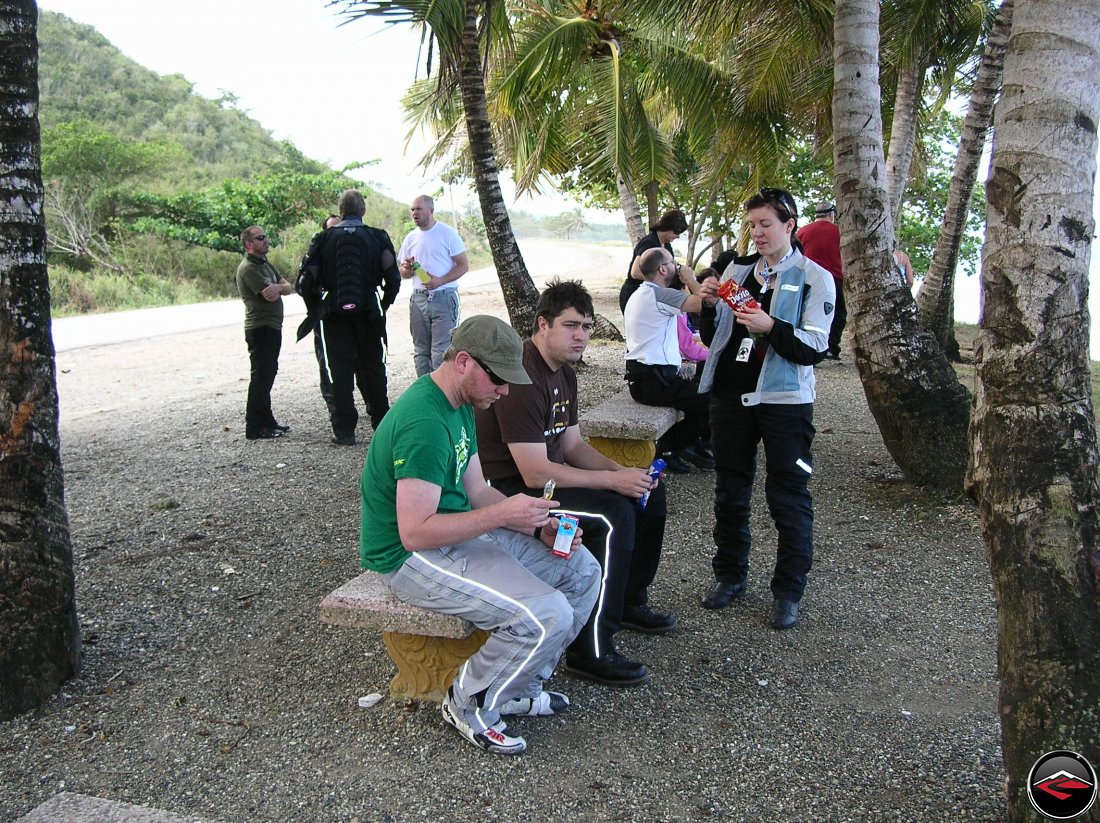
(671, 220)
(782, 202)
(560, 295)
(351, 204)
(324, 221)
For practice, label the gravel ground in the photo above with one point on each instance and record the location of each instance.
(210, 688)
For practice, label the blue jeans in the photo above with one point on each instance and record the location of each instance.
(432, 317)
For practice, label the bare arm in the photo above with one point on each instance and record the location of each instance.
(273, 291)
(461, 266)
(421, 526)
(688, 278)
(586, 468)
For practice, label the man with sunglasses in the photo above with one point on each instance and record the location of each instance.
(443, 539)
(261, 287)
(532, 436)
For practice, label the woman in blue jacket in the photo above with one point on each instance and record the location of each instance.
(761, 381)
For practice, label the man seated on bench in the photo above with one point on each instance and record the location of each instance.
(533, 436)
(444, 540)
(653, 358)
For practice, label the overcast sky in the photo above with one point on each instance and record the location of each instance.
(333, 90)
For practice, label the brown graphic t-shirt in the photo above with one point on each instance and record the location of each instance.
(537, 413)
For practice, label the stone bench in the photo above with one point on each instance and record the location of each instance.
(626, 431)
(427, 647)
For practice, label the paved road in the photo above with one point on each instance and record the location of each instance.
(544, 258)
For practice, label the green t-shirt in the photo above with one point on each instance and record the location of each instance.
(423, 437)
(253, 274)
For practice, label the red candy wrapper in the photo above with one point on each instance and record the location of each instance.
(737, 297)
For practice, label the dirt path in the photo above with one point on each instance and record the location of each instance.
(209, 688)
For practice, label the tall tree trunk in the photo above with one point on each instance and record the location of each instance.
(631, 212)
(936, 300)
(39, 637)
(520, 294)
(911, 389)
(1034, 453)
(903, 134)
(651, 202)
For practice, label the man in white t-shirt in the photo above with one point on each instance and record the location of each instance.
(653, 358)
(433, 308)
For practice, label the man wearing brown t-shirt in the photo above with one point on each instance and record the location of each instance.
(532, 436)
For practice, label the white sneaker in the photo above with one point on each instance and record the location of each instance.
(547, 704)
(495, 739)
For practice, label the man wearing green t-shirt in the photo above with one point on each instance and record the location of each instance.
(261, 287)
(445, 540)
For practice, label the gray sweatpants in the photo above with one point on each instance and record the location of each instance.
(531, 602)
(433, 315)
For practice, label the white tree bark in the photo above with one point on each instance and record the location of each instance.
(911, 389)
(903, 135)
(632, 212)
(1033, 452)
(936, 298)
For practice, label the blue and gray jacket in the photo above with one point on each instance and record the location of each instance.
(802, 306)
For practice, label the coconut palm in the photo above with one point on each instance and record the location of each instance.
(922, 39)
(462, 34)
(39, 638)
(600, 94)
(936, 298)
(1034, 453)
(911, 389)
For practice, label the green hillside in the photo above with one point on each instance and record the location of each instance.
(148, 184)
(84, 77)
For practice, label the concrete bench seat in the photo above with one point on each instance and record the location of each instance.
(427, 647)
(625, 430)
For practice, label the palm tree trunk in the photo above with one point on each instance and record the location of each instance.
(911, 389)
(1034, 453)
(936, 300)
(631, 212)
(39, 636)
(519, 290)
(903, 134)
(651, 202)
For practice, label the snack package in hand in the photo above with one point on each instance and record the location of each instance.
(737, 297)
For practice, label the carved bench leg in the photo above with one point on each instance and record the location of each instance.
(427, 665)
(637, 453)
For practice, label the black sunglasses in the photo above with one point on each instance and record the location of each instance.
(497, 381)
(782, 198)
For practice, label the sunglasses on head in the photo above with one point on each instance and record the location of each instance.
(497, 381)
(782, 198)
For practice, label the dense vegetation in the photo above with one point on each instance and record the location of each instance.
(149, 184)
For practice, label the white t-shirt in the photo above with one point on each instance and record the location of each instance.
(433, 249)
(650, 318)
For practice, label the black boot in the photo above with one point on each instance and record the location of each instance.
(610, 668)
